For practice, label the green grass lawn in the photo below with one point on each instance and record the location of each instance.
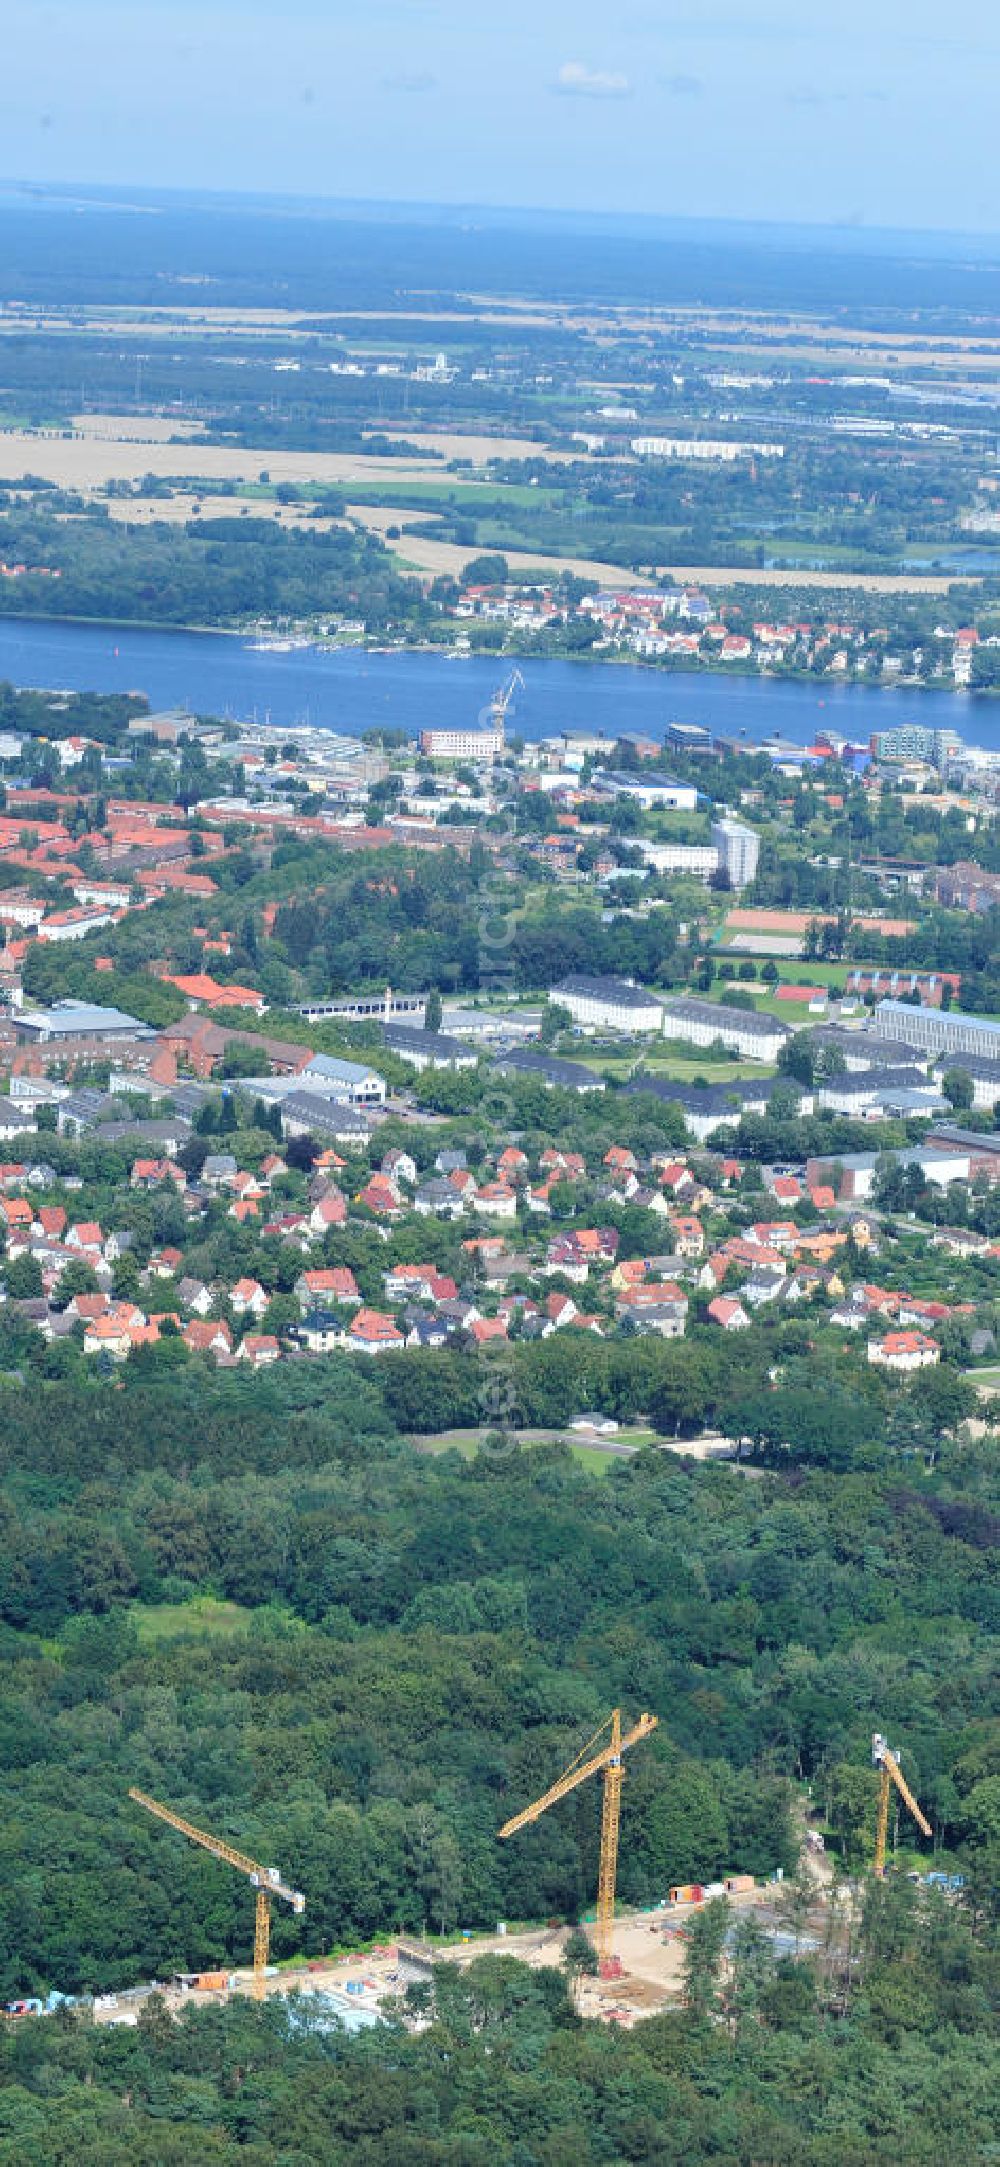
(202, 1618)
(596, 1458)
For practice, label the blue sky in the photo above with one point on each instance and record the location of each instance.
(874, 111)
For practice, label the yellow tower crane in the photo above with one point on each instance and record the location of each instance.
(590, 1762)
(890, 1772)
(265, 1879)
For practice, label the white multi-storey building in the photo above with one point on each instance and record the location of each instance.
(697, 860)
(609, 1004)
(739, 849)
(703, 1023)
(939, 1030)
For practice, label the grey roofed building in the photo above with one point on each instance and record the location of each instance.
(427, 1049)
(355, 1080)
(939, 1030)
(720, 1015)
(727, 1101)
(306, 1113)
(188, 1098)
(973, 1065)
(559, 1075)
(491, 1024)
(16, 1120)
(78, 1019)
(862, 1050)
(166, 1135)
(440, 1198)
(608, 989)
(966, 1140)
(81, 1109)
(903, 1103)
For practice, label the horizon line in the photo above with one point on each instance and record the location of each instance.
(117, 194)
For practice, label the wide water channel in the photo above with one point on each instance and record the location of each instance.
(351, 690)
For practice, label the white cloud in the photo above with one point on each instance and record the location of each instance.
(573, 80)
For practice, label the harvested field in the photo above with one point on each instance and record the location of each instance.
(178, 511)
(88, 463)
(450, 444)
(134, 428)
(450, 557)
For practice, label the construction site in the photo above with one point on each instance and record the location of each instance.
(637, 1967)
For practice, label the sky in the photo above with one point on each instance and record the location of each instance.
(863, 112)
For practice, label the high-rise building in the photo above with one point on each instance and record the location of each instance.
(738, 848)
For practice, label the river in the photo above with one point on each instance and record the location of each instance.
(350, 690)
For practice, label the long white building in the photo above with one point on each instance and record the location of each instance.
(697, 860)
(703, 1023)
(938, 1030)
(609, 1004)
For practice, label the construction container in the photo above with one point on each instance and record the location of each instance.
(738, 1884)
(688, 1892)
(211, 1982)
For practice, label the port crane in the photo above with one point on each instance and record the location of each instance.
(265, 1879)
(890, 1773)
(594, 1758)
(496, 713)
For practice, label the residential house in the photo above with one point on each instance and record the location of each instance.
(248, 1299)
(487, 1328)
(208, 1335)
(688, 1234)
(399, 1166)
(496, 1200)
(193, 1294)
(326, 1284)
(329, 1210)
(764, 1285)
(904, 1351)
(439, 1199)
(728, 1313)
(381, 1197)
(260, 1349)
(86, 1240)
(219, 1170)
(372, 1333)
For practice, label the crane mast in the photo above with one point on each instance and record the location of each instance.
(265, 1879)
(607, 1759)
(890, 1773)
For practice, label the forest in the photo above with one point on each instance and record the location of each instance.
(255, 1599)
(252, 1597)
(214, 572)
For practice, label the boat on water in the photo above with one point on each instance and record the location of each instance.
(277, 646)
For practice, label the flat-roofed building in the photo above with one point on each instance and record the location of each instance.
(649, 790)
(79, 1027)
(739, 850)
